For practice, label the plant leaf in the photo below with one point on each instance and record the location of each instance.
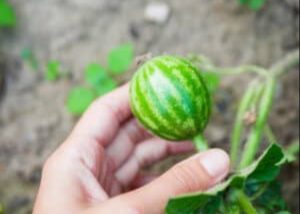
(28, 56)
(53, 70)
(233, 209)
(120, 58)
(95, 74)
(267, 169)
(105, 86)
(7, 15)
(79, 100)
(270, 200)
(292, 152)
(256, 4)
(284, 212)
(253, 4)
(196, 203)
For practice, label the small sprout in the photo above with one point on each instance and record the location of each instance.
(29, 57)
(253, 4)
(96, 77)
(79, 100)
(105, 86)
(53, 71)
(292, 152)
(7, 15)
(120, 58)
(95, 74)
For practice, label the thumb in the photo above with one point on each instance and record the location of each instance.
(197, 173)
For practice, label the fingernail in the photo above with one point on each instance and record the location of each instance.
(216, 163)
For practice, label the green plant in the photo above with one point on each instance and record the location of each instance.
(253, 4)
(7, 14)
(120, 58)
(252, 188)
(99, 80)
(97, 77)
(53, 70)
(29, 58)
(79, 99)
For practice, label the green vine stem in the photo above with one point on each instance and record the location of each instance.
(200, 143)
(290, 61)
(255, 136)
(205, 64)
(292, 151)
(251, 98)
(242, 69)
(245, 203)
(270, 135)
(238, 125)
(257, 130)
(293, 148)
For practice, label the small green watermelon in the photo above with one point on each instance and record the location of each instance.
(169, 97)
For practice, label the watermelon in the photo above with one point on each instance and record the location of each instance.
(169, 97)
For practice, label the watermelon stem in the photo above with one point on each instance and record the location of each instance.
(200, 143)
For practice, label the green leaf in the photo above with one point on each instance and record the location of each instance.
(256, 4)
(53, 70)
(270, 200)
(267, 169)
(292, 152)
(213, 205)
(28, 56)
(95, 74)
(253, 4)
(105, 86)
(7, 15)
(196, 203)
(79, 100)
(212, 81)
(233, 209)
(120, 58)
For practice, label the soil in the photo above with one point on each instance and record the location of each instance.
(33, 119)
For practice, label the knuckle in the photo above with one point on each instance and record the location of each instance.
(53, 162)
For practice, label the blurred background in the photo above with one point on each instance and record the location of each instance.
(53, 53)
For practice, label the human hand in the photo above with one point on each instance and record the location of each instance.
(97, 167)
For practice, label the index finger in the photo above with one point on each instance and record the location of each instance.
(103, 118)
